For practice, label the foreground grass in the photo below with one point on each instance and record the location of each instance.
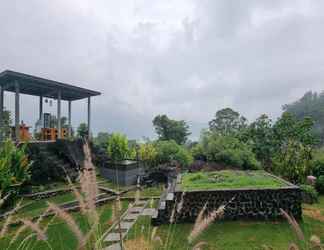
(232, 235)
(59, 235)
(228, 179)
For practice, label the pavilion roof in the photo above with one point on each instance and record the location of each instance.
(37, 86)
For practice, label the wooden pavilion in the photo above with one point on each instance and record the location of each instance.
(20, 83)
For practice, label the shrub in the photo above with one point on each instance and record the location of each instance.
(293, 162)
(117, 147)
(147, 154)
(183, 157)
(320, 184)
(198, 152)
(168, 151)
(318, 163)
(309, 194)
(231, 151)
(14, 167)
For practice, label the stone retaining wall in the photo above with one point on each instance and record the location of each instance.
(261, 204)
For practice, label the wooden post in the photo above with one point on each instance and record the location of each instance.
(17, 112)
(59, 125)
(69, 118)
(41, 118)
(89, 117)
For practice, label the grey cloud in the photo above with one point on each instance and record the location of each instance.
(183, 58)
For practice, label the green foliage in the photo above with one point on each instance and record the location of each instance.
(168, 129)
(197, 152)
(14, 165)
(82, 131)
(227, 122)
(148, 154)
(228, 179)
(310, 105)
(320, 184)
(118, 147)
(168, 151)
(259, 135)
(230, 151)
(288, 127)
(309, 194)
(102, 139)
(183, 157)
(318, 163)
(294, 161)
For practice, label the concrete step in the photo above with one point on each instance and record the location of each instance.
(115, 246)
(114, 237)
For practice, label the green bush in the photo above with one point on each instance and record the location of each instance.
(14, 167)
(117, 148)
(293, 162)
(320, 184)
(168, 151)
(318, 163)
(309, 194)
(230, 151)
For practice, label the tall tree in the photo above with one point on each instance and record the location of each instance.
(168, 129)
(227, 122)
(259, 135)
(310, 105)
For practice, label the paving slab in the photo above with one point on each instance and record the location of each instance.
(148, 212)
(140, 202)
(136, 209)
(130, 217)
(113, 237)
(126, 225)
(115, 246)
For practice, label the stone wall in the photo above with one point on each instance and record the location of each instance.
(261, 204)
(122, 176)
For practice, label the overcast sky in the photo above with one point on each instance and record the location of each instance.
(184, 58)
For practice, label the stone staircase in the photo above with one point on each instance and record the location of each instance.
(128, 219)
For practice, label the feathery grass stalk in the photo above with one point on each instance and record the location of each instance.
(294, 225)
(69, 221)
(36, 228)
(199, 245)
(202, 225)
(8, 221)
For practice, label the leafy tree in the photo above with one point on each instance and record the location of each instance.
(288, 127)
(169, 151)
(294, 161)
(117, 147)
(259, 135)
(82, 130)
(227, 122)
(147, 154)
(168, 129)
(230, 151)
(310, 105)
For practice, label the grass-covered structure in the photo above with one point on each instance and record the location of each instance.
(246, 194)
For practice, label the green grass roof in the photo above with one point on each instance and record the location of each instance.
(229, 179)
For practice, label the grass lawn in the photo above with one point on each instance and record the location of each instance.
(59, 235)
(233, 235)
(227, 179)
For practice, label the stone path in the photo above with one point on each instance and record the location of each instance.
(127, 221)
